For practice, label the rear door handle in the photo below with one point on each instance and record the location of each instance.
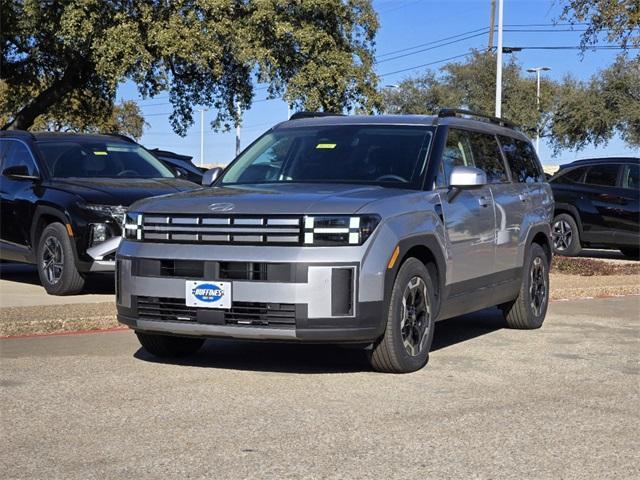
(483, 202)
(524, 197)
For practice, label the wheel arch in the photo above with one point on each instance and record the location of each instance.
(45, 215)
(427, 249)
(541, 235)
(569, 209)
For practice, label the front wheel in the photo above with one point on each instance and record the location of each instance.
(165, 346)
(565, 235)
(528, 310)
(56, 262)
(407, 339)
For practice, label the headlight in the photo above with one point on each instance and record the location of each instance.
(117, 212)
(339, 230)
(132, 229)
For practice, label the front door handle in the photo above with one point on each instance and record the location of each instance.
(483, 202)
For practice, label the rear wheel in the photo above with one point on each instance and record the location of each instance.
(407, 339)
(565, 235)
(56, 262)
(631, 252)
(529, 309)
(169, 347)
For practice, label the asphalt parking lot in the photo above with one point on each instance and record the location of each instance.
(560, 402)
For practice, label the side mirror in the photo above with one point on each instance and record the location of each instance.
(464, 178)
(19, 172)
(210, 176)
(467, 177)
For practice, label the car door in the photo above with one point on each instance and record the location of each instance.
(509, 213)
(604, 202)
(17, 198)
(532, 195)
(469, 221)
(628, 214)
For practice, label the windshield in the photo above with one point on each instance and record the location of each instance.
(100, 160)
(372, 154)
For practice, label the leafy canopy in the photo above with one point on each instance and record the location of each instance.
(317, 54)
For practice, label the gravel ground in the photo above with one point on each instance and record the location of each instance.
(559, 402)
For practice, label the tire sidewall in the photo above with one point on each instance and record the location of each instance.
(535, 251)
(411, 268)
(58, 231)
(574, 247)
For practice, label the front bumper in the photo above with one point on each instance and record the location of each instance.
(272, 299)
(103, 256)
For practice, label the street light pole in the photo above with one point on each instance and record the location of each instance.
(239, 113)
(499, 61)
(537, 71)
(201, 137)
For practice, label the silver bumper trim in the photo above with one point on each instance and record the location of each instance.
(199, 329)
(103, 266)
(105, 248)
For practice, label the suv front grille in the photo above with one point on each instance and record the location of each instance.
(222, 229)
(276, 315)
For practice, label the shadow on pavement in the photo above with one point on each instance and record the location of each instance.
(318, 359)
(23, 273)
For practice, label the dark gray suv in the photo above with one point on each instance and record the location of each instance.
(345, 229)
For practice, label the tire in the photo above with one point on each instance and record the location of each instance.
(414, 284)
(565, 235)
(528, 310)
(165, 346)
(56, 262)
(631, 252)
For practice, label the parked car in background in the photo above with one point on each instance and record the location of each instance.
(64, 198)
(180, 165)
(597, 205)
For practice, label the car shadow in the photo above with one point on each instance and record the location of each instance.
(102, 284)
(320, 359)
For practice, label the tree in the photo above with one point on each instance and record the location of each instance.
(317, 54)
(471, 85)
(620, 19)
(593, 112)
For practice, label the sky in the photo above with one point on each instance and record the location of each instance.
(405, 24)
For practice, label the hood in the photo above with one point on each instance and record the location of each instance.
(121, 191)
(285, 198)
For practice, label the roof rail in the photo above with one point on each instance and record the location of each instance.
(459, 112)
(301, 115)
(122, 136)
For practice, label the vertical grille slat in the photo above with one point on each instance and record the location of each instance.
(241, 230)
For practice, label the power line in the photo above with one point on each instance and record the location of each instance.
(425, 64)
(431, 48)
(393, 52)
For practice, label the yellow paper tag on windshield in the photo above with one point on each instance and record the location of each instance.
(327, 146)
(100, 153)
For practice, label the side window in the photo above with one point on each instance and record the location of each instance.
(631, 176)
(487, 157)
(602, 175)
(572, 176)
(522, 160)
(4, 150)
(15, 154)
(457, 153)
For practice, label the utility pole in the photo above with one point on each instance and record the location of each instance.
(239, 113)
(201, 137)
(537, 71)
(499, 62)
(492, 23)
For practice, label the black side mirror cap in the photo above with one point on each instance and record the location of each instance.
(19, 172)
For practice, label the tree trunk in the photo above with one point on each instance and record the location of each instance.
(45, 99)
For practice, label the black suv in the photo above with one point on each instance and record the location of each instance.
(64, 197)
(597, 205)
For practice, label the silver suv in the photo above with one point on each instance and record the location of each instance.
(345, 229)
